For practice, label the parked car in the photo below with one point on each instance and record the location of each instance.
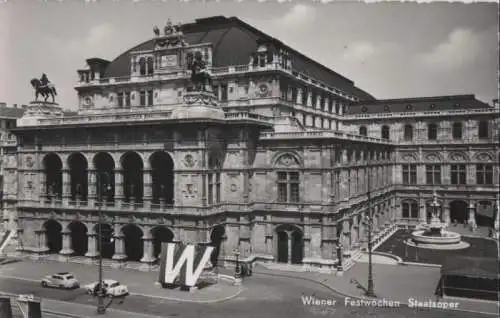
(61, 280)
(112, 288)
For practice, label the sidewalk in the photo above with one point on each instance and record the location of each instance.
(138, 283)
(394, 282)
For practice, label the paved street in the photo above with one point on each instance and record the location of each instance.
(261, 296)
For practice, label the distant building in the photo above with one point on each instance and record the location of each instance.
(280, 169)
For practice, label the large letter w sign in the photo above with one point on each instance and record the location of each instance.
(185, 261)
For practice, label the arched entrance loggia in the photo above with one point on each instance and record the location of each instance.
(53, 232)
(79, 240)
(216, 240)
(134, 247)
(161, 234)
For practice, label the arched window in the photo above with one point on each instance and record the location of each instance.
(483, 129)
(385, 132)
(432, 131)
(362, 131)
(142, 66)
(408, 132)
(457, 131)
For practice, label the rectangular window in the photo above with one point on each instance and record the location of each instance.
(484, 174)
(150, 98)
(127, 99)
(433, 174)
(457, 130)
(223, 89)
(458, 174)
(142, 98)
(120, 99)
(217, 188)
(288, 187)
(409, 174)
(432, 131)
(210, 189)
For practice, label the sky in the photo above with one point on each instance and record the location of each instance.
(390, 50)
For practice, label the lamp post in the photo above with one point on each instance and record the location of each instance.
(370, 290)
(101, 308)
(237, 270)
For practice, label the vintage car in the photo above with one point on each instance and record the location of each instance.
(112, 288)
(60, 280)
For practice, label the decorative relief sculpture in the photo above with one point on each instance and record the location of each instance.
(29, 162)
(484, 157)
(457, 156)
(287, 160)
(433, 157)
(408, 157)
(233, 187)
(189, 161)
(190, 191)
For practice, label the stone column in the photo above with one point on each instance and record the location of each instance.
(119, 238)
(148, 256)
(446, 214)
(472, 216)
(289, 236)
(66, 187)
(66, 242)
(118, 187)
(148, 188)
(309, 99)
(326, 103)
(92, 246)
(41, 241)
(92, 187)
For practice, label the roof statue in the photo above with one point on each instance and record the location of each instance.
(44, 87)
(200, 76)
(169, 28)
(156, 30)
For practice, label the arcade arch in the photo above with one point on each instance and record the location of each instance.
(78, 168)
(79, 240)
(458, 211)
(133, 242)
(161, 234)
(52, 166)
(107, 241)
(53, 234)
(104, 168)
(162, 177)
(133, 185)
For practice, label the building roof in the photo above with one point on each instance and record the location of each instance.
(417, 104)
(233, 42)
(11, 112)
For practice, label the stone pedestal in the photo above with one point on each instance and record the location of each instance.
(66, 250)
(119, 254)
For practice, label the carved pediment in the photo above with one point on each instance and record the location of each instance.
(288, 161)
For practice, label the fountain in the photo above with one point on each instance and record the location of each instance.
(432, 235)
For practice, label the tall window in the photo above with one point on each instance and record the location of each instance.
(410, 210)
(362, 131)
(223, 89)
(483, 131)
(150, 97)
(484, 174)
(120, 98)
(142, 98)
(408, 132)
(288, 187)
(150, 66)
(385, 132)
(457, 131)
(432, 131)
(458, 174)
(142, 66)
(214, 186)
(409, 174)
(433, 173)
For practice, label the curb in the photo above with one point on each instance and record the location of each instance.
(343, 294)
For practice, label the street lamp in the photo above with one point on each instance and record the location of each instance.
(101, 308)
(370, 291)
(237, 270)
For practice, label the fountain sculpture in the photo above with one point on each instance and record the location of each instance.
(433, 234)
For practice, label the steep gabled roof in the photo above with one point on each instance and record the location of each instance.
(418, 104)
(233, 42)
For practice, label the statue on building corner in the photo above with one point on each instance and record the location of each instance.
(156, 30)
(44, 87)
(169, 28)
(200, 75)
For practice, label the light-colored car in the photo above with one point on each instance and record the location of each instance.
(111, 287)
(60, 280)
